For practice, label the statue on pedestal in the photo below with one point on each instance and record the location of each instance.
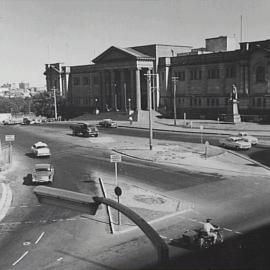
(233, 95)
(232, 109)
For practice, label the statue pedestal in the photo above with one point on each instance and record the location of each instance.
(232, 112)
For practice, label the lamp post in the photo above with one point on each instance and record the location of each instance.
(174, 79)
(55, 104)
(149, 97)
(96, 109)
(129, 105)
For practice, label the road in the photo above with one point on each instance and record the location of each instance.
(42, 237)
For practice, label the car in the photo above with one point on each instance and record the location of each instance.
(84, 129)
(40, 149)
(251, 139)
(108, 123)
(43, 173)
(235, 142)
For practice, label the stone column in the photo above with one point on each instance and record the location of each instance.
(131, 94)
(113, 103)
(246, 89)
(123, 89)
(138, 90)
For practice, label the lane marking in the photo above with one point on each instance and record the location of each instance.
(24, 254)
(26, 243)
(39, 237)
(60, 259)
(229, 230)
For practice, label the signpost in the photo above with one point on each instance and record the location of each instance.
(10, 138)
(201, 128)
(206, 145)
(117, 190)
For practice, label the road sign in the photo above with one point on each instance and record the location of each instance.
(10, 138)
(115, 158)
(118, 191)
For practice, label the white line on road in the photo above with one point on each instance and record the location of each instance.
(24, 254)
(164, 237)
(40, 237)
(229, 230)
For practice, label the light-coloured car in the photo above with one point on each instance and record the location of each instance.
(43, 173)
(40, 149)
(108, 123)
(235, 143)
(251, 139)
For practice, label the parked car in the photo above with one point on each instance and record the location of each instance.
(108, 123)
(236, 143)
(40, 149)
(251, 139)
(84, 129)
(43, 173)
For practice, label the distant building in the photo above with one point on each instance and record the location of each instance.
(24, 85)
(204, 78)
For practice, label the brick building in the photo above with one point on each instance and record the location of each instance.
(204, 78)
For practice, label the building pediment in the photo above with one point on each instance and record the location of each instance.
(115, 54)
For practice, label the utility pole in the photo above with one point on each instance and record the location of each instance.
(55, 105)
(149, 96)
(174, 80)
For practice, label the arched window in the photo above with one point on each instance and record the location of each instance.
(260, 74)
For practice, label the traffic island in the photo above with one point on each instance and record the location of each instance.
(149, 205)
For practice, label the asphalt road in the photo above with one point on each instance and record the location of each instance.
(47, 235)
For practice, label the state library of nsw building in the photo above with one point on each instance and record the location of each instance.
(202, 79)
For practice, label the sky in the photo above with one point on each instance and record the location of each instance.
(73, 32)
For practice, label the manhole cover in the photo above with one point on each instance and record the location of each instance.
(149, 199)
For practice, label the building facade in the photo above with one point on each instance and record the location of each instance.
(201, 78)
(204, 81)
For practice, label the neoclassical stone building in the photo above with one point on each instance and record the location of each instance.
(203, 78)
(116, 80)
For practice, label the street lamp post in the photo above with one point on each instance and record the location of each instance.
(174, 79)
(55, 104)
(129, 106)
(96, 108)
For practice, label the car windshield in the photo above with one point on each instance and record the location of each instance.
(41, 146)
(42, 169)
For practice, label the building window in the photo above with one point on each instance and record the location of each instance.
(195, 74)
(96, 80)
(162, 76)
(230, 72)
(86, 81)
(181, 75)
(213, 73)
(200, 102)
(253, 102)
(76, 81)
(208, 102)
(190, 102)
(260, 74)
(217, 101)
(212, 102)
(259, 102)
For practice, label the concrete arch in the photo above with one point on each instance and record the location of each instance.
(157, 241)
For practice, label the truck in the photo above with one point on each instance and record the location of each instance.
(84, 129)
